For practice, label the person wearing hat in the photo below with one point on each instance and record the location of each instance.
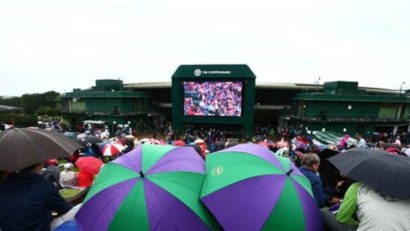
(68, 178)
(51, 172)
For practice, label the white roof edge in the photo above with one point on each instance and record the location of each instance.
(274, 85)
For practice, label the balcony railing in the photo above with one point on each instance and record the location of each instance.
(354, 120)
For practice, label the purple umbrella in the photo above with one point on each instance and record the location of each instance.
(150, 188)
(249, 188)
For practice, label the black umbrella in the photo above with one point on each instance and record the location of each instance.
(20, 148)
(378, 169)
(328, 172)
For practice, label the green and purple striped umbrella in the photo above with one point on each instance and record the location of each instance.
(154, 187)
(247, 187)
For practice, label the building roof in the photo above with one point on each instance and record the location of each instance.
(5, 108)
(104, 94)
(353, 97)
(239, 71)
(263, 85)
(152, 85)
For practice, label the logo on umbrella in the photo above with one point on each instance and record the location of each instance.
(217, 171)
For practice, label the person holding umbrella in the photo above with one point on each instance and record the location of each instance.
(381, 201)
(365, 208)
(28, 199)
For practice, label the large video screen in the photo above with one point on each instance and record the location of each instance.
(213, 98)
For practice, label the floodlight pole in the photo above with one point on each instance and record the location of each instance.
(401, 87)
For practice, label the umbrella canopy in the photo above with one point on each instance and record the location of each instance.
(71, 135)
(328, 172)
(23, 147)
(89, 165)
(82, 136)
(149, 141)
(264, 144)
(179, 143)
(301, 145)
(104, 143)
(150, 188)
(378, 169)
(249, 188)
(93, 139)
(112, 149)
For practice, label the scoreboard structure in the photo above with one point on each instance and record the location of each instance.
(213, 95)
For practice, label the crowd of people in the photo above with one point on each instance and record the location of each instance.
(358, 206)
(213, 98)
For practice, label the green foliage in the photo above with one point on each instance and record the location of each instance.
(46, 103)
(13, 101)
(19, 120)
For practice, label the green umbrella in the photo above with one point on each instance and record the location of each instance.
(247, 187)
(154, 187)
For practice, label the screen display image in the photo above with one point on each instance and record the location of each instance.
(213, 98)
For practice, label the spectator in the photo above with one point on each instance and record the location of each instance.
(68, 178)
(364, 208)
(398, 142)
(310, 167)
(27, 200)
(343, 142)
(361, 142)
(52, 173)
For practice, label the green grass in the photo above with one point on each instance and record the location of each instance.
(68, 192)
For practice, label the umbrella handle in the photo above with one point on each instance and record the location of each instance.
(288, 172)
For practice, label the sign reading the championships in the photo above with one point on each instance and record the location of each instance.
(198, 72)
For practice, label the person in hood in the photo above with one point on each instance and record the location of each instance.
(27, 201)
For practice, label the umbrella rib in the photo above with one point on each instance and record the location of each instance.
(36, 146)
(110, 201)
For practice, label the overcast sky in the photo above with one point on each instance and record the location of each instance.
(64, 44)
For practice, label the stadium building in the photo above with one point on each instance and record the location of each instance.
(334, 106)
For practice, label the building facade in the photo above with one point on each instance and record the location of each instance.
(108, 101)
(343, 107)
(334, 106)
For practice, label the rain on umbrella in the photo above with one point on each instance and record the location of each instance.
(112, 149)
(150, 188)
(249, 188)
(378, 169)
(23, 147)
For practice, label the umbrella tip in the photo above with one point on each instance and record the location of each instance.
(142, 174)
(290, 171)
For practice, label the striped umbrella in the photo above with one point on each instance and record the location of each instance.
(112, 149)
(249, 188)
(153, 187)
